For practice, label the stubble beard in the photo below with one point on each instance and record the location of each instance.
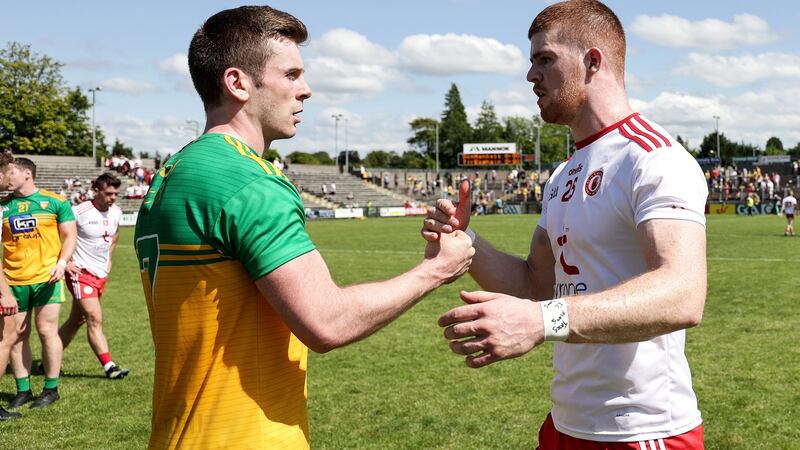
(565, 108)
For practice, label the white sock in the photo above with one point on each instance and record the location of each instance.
(108, 365)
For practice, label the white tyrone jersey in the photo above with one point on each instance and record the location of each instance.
(628, 173)
(789, 204)
(96, 230)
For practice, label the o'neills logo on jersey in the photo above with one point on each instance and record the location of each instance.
(593, 182)
(23, 224)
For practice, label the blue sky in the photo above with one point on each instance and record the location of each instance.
(381, 64)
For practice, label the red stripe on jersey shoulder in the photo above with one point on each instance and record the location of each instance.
(642, 143)
(584, 142)
(650, 128)
(641, 133)
(83, 207)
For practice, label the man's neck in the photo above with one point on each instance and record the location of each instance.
(600, 111)
(236, 124)
(101, 208)
(25, 190)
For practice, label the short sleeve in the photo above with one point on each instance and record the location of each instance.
(65, 213)
(669, 184)
(263, 226)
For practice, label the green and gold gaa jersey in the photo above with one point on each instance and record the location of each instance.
(31, 241)
(228, 373)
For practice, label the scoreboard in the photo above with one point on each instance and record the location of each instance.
(489, 159)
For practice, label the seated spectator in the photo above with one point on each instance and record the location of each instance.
(333, 189)
(139, 175)
(130, 192)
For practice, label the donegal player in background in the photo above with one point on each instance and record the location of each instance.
(235, 288)
(98, 231)
(34, 259)
(8, 304)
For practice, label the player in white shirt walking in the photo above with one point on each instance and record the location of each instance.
(617, 266)
(789, 204)
(87, 272)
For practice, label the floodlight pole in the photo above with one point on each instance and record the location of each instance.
(337, 117)
(716, 127)
(437, 150)
(94, 139)
(346, 149)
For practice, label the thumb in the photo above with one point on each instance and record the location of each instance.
(464, 204)
(477, 296)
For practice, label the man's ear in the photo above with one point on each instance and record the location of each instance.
(237, 84)
(593, 60)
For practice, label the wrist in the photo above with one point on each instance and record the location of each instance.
(555, 318)
(471, 234)
(62, 263)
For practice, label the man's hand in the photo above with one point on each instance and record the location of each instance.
(448, 216)
(492, 327)
(74, 271)
(450, 256)
(57, 274)
(8, 304)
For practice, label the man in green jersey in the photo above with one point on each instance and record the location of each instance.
(235, 288)
(34, 259)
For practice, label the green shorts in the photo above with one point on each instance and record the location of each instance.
(38, 294)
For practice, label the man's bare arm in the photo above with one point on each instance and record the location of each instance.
(669, 297)
(325, 316)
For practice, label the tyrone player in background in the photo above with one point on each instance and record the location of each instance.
(87, 272)
(617, 266)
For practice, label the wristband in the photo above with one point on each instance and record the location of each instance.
(62, 263)
(556, 319)
(470, 233)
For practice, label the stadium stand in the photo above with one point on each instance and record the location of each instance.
(310, 179)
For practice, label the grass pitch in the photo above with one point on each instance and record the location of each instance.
(402, 388)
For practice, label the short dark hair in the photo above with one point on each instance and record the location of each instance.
(6, 158)
(105, 180)
(25, 163)
(240, 38)
(585, 24)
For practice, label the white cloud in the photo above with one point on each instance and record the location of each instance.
(729, 71)
(710, 34)
(751, 116)
(352, 47)
(165, 134)
(175, 64)
(127, 86)
(335, 75)
(452, 54)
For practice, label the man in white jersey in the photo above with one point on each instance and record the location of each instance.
(789, 204)
(617, 267)
(87, 272)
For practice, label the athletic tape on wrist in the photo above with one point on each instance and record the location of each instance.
(556, 319)
(61, 263)
(470, 233)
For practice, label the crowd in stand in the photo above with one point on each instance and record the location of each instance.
(138, 176)
(735, 184)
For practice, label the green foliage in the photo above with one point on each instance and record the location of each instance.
(270, 155)
(454, 130)
(379, 158)
(727, 148)
(487, 127)
(405, 389)
(552, 140)
(38, 113)
(319, 158)
(144, 155)
(121, 149)
(424, 138)
(774, 146)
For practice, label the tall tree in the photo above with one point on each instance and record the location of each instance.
(38, 113)
(424, 138)
(774, 146)
(454, 130)
(487, 126)
(727, 148)
(379, 158)
(121, 149)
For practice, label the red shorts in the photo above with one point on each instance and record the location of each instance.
(790, 216)
(86, 286)
(552, 439)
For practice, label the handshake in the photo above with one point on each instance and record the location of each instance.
(491, 326)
